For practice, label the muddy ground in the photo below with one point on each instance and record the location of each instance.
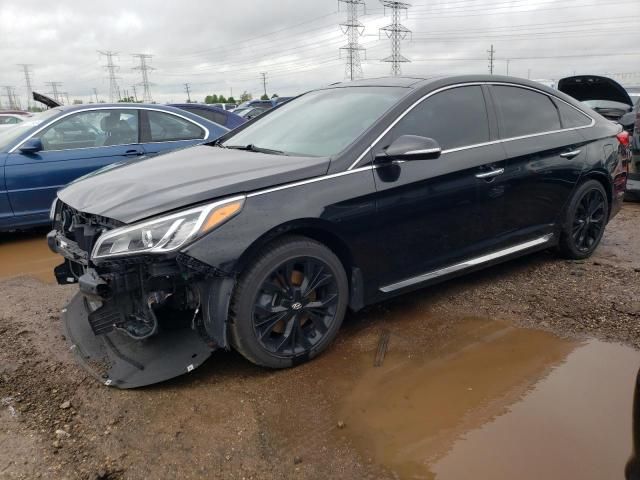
(523, 370)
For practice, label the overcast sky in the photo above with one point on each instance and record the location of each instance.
(219, 46)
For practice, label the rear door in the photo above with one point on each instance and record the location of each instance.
(434, 213)
(546, 155)
(163, 131)
(72, 147)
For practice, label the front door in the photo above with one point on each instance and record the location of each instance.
(435, 213)
(72, 147)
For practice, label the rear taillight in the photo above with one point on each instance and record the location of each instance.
(623, 138)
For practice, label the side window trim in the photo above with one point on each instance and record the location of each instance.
(487, 83)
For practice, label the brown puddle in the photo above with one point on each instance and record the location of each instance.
(495, 401)
(27, 254)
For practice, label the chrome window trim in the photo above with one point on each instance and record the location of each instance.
(475, 145)
(311, 180)
(466, 264)
(91, 109)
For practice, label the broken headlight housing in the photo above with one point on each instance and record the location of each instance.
(166, 233)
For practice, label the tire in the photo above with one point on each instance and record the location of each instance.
(289, 303)
(585, 220)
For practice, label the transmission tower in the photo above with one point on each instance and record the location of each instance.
(144, 70)
(95, 92)
(492, 58)
(396, 32)
(27, 80)
(111, 68)
(353, 29)
(10, 93)
(54, 90)
(187, 88)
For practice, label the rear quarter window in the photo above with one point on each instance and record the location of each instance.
(570, 116)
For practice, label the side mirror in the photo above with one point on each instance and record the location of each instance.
(412, 147)
(33, 145)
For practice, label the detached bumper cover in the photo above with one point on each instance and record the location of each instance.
(117, 360)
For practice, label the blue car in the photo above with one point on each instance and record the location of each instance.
(52, 148)
(217, 115)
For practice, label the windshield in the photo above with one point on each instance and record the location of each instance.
(320, 123)
(9, 137)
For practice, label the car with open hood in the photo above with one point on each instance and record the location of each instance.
(342, 197)
(603, 94)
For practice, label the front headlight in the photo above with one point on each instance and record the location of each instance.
(167, 233)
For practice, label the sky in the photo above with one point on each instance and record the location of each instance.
(223, 47)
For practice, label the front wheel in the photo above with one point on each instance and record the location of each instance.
(585, 221)
(289, 304)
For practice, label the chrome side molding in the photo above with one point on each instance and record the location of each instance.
(466, 264)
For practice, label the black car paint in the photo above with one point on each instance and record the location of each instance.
(386, 221)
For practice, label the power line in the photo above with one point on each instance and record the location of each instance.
(112, 68)
(144, 70)
(353, 29)
(27, 80)
(492, 54)
(396, 32)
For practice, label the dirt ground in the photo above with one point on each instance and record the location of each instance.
(525, 369)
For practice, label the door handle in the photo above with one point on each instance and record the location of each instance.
(131, 153)
(490, 174)
(571, 154)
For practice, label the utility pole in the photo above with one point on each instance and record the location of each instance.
(529, 73)
(396, 32)
(27, 80)
(95, 92)
(112, 68)
(508, 61)
(186, 88)
(264, 82)
(54, 90)
(135, 94)
(492, 56)
(353, 29)
(144, 68)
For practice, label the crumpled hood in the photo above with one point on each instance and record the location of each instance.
(592, 87)
(155, 185)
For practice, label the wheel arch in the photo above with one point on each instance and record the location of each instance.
(322, 232)
(604, 179)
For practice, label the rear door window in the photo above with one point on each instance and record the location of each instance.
(166, 127)
(524, 112)
(454, 118)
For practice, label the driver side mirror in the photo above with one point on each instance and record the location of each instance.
(33, 145)
(411, 147)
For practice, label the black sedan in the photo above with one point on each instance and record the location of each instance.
(345, 196)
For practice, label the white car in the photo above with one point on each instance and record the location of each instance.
(8, 120)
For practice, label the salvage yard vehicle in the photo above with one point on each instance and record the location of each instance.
(217, 115)
(9, 118)
(52, 148)
(342, 197)
(603, 94)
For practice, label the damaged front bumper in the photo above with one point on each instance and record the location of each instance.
(142, 320)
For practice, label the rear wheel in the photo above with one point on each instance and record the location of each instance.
(289, 305)
(585, 221)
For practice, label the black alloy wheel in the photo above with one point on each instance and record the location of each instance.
(295, 306)
(588, 222)
(289, 305)
(585, 221)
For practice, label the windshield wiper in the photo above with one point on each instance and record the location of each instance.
(252, 148)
